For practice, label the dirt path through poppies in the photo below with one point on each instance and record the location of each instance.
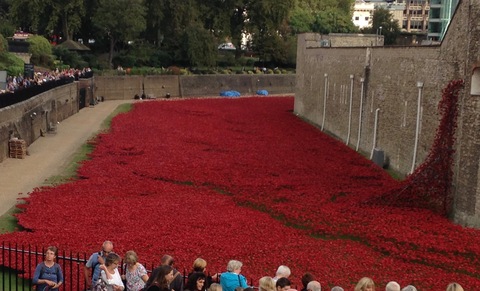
(50, 154)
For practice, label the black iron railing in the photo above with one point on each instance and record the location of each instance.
(18, 263)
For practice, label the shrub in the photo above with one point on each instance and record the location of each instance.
(41, 51)
(161, 59)
(3, 44)
(10, 63)
(68, 58)
(174, 70)
(184, 72)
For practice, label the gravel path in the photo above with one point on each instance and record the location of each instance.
(51, 154)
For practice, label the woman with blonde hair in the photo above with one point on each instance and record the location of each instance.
(135, 273)
(266, 284)
(454, 287)
(199, 266)
(365, 284)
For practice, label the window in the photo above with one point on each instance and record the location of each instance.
(357, 18)
(475, 89)
(366, 18)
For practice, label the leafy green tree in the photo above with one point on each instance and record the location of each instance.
(155, 17)
(69, 58)
(301, 20)
(10, 63)
(3, 44)
(45, 16)
(41, 51)
(119, 20)
(270, 31)
(66, 13)
(169, 25)
(390, 26)
(29, 15)
(324, 16)
(200, 48)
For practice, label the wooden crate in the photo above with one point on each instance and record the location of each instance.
(17, 148)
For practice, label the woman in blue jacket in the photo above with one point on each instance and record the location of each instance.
(232, 278)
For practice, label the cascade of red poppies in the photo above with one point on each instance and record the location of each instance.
(429, 186)
(175, 176)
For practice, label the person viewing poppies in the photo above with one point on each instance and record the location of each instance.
(232, 279)
(365, 284)
(199, 266)
(48, 274)
(454, 287)
(162, 280)
(409, 288)
(283, 284)
(266, 284)
(392, 286)
(95, 261)
(337, 288)
(110, 274)
(176, 282)
(314, 286)
(215, 287)
(307, 278)
(196, 282)
(135, 273)
(282, 272)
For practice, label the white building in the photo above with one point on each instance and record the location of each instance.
(362, 14)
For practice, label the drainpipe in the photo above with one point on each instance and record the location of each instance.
(350, 110)
(375, 132)
(417, 129)
(362, 81)
(325, 100)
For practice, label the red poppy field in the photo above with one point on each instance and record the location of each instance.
(246, 179)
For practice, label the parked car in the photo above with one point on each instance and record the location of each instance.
(226, 46)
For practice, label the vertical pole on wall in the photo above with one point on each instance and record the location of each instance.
(325, 100)
(362, 81)
(350, 110)
(375, 132)
(417, 129)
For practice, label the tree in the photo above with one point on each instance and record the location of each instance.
(41, 51)
(199, 46)
(119, 20)
(325, 16)
(390, 27)
(301, 20)
(3, 44)
(67, 13)
(155, 17)
(48, 15)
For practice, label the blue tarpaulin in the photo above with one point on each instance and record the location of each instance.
(230, 93)
(262, 92)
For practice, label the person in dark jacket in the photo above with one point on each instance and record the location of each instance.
(177, 282)
(196, 282)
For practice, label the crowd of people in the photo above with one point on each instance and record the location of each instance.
(102, 274)
(19, 82)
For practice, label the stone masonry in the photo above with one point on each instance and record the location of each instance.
(329, 93)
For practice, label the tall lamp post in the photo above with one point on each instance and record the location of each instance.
(379, 32)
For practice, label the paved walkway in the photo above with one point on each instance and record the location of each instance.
(51, 154)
